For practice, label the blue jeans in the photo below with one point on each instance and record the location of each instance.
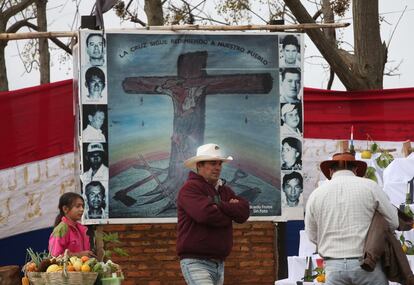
(348, 272)
(202, 271)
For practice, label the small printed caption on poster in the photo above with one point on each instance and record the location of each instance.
(261, 209)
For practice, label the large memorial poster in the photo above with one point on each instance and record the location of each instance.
(148, 100)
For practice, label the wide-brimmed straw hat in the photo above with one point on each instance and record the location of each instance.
(343, 159)
(206, 152)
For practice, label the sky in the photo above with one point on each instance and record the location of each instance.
(395, 31)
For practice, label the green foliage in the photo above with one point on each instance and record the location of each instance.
(407, 245)
(370, 173)
(110, 237)
(374, 147)
(384, 159)
(407, 208)
(36, 257)
(113, 238)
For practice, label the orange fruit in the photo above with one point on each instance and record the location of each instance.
(70, 267)
(25, 281)
(321, 278)
(84, 258)
(85, 268)
(31, 267)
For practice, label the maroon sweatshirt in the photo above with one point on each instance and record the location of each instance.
(205, 227)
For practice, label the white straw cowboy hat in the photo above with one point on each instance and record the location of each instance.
(206, 152)
(343, 159)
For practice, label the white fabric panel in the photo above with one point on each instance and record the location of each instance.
(396, 176)
(29, 193)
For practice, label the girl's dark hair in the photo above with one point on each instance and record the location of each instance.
(67, 199)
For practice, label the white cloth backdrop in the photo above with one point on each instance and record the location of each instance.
(29, 193)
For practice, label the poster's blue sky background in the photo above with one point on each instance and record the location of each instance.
(246, 122)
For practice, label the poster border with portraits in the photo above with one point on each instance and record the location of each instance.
(85, 101)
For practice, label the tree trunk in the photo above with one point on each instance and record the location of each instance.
(359, 71)
(44, 55)
(370, 53)
(153, 10)
(5, 15)
(4, 83)
(329, 17)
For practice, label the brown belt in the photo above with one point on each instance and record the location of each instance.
(341, 258)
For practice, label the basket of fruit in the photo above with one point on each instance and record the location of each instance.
(43, 269)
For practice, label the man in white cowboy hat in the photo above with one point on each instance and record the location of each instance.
(97, 170)
(338, 215)
(206, 209)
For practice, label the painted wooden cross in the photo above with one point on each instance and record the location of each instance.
(188, 91)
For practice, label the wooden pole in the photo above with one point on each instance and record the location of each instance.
(406, 148)
(293, 27)
(249, 27)
(99, 243)
(36, 35)
(343, 146)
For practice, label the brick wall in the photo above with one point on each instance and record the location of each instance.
(153, 259)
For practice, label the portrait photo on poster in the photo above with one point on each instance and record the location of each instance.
(94, 123)
(291, 120)
(95, 49)
(292, 187)
(289, 51)
(94, 86)
(95, 162)
(290, 85)
(291, 154)
(96, 200)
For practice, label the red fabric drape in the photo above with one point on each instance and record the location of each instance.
(386, 115)
(38, 122)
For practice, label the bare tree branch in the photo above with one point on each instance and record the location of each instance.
(317, 14)
(393, 31)
(2, 4)
(13, 10)
(392, 71)
(25, 23)
(330, 52)
(331, 79)
(18, 25)
(211, 20)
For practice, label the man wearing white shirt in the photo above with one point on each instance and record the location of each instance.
(93, 132)
(97, 171)
(338, 215)
(290, 85)
(290, 52)
(95, 48)
(96, 201)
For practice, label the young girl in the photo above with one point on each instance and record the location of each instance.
(68, 233)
